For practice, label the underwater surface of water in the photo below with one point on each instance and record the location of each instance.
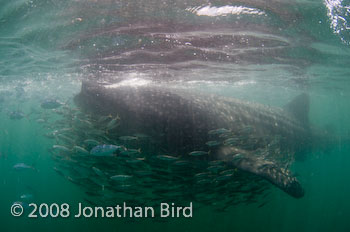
(182, 61)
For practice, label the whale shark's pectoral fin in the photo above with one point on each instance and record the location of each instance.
(268, 170)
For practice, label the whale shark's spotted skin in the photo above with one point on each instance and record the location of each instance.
(252, 137)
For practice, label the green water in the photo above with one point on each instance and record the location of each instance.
(269, 52)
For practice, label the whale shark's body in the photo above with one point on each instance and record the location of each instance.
(252, 137)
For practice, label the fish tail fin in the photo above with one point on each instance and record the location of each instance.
(268, 170)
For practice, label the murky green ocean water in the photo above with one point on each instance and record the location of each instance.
(267, 52)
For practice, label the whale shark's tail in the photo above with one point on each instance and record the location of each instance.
(245, 161)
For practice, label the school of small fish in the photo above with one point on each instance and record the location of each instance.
(89, 151)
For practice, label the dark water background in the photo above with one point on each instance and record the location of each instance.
(263, 51)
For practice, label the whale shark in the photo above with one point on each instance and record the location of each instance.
(248, 136)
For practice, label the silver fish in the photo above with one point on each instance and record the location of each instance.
(198, 153)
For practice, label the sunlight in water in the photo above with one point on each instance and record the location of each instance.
(338, 13)
(214, 11)
(134, 82)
